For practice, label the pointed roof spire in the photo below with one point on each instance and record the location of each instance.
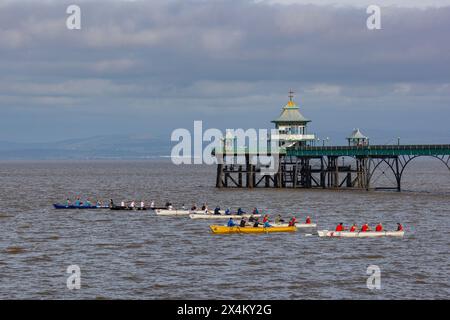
(291, 95)
(291, 113)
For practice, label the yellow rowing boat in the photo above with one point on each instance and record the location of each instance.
(224, 229)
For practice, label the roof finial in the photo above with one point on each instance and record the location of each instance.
(291, 95)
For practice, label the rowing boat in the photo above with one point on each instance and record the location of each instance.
(174, 212)
(64, 206)
(127, 208)
(226, 230)
(298, 225)
(348, 234)
(220, 216)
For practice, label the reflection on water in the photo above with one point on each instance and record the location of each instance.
(137, 255)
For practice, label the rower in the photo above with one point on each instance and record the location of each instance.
(132, 204)
(252, 218)
(243, 222)
(308, 220)
(204, 207)
(78, 202)
(170, 206)
(240, 212)
(292, 222)
(99, 204)
(122, 204)
(266, 218)
(68, 202)
(365, 228)
(267, 224)
(340, 227)
(353, 227)
(194, 207)
(152, 204)
(255, 211)
(88, 203)
(399, 226)
(111, 203)
(228, 211)
(256, 224)
(379, 227)
(278, 219)
(142, 205)
(231, 223)
(217, 211)
(183, 207)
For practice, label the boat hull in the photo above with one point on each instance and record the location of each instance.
(369, 234)
(128, 208)
(228, 230)
(166, 212)
(66, 207)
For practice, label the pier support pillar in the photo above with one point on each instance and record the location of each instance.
(219, 177)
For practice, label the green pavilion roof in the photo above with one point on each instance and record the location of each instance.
(291, 114)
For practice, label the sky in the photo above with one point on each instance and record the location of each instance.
(148, 67)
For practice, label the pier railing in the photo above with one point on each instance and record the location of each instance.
(374, 150)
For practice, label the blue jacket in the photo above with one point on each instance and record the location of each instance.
(231, 223)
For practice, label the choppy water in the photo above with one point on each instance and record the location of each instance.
(137, 255)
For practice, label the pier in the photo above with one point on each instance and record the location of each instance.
(302, 164)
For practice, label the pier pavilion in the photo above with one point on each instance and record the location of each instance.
(303, 163)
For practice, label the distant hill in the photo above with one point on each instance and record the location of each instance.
(98, 147)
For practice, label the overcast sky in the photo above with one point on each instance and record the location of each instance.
(147, 67)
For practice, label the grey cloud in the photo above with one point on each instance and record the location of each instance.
(174, 61)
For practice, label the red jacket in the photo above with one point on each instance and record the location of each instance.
(340, 228)
(364, 228)
(379, 228)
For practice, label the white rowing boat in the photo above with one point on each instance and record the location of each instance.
(221, 216)
(348, 234)
(173, 212)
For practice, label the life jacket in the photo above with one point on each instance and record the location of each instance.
(400, 227)
(308, 221)
(353, 229)
(339, 228)
(379, 228)
(364, 228)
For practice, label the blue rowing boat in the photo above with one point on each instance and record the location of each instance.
(64, 206)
